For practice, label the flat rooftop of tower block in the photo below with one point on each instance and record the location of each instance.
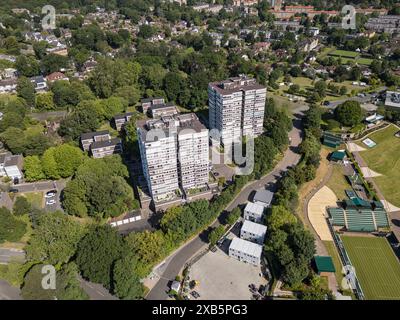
(173, 123)
(235, 84)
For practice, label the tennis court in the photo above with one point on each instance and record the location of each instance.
(376, 266)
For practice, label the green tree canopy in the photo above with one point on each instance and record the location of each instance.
(349, 113)
(55, 238)
(97, 253)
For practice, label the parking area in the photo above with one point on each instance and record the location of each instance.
(219, 277)
(52, 200)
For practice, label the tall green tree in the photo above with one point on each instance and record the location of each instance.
(11, 229)
(97, 253)
(26, 90)
(349, 113)
(55, 238)
(126, 281)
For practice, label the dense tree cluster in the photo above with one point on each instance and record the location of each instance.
(349, 113)
(57, 162)
(11, 229)
(67, 285)
(99, 189)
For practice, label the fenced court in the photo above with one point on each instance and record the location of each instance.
(377, 267)
(369, 143)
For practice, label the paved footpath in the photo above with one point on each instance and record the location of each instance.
(176, 262)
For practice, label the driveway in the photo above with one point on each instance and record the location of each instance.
(175, 263)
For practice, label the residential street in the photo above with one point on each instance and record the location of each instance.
(174, 264)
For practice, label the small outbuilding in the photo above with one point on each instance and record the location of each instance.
(324, 265)
(338, 156)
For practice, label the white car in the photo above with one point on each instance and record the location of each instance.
(50, 202)
(50, 194)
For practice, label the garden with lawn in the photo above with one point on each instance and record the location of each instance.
(384, 159)
(376, 266)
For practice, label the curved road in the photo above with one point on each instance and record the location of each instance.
(176, 262)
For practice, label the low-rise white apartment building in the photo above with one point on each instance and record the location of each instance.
(245, 251)
(11, 166)
(253, 212)
(174, 153)
(253, 232)
(236, 108)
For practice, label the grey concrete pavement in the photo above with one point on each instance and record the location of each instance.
(8, 255)
(37, 186)
(8, 292)
(95, 290)
(175, 263)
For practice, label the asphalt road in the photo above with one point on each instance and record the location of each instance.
(96, 291)
(175, 263)
(8, 292)
(334, 104)
(44, 186)
(7, 255)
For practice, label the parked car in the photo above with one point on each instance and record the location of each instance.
(195, 294)
(50, 194)
(13, 190)
(50, 202)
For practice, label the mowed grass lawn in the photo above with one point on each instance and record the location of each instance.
(376, 266)
(338, 182)
(344, 53)
(384, 158)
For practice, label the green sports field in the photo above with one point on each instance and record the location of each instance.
(384, 159)
(376, 265)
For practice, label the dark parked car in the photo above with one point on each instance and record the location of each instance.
(195, 294)
(13, 190)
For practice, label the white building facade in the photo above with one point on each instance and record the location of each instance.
(178, 158)
(253, 232)
(253, 212)
(245, 251)
(236, 108)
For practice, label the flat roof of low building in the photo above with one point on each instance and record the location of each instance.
(105, 143)
(258, 209)
(324, 264)
(264, 196)
(392, 99)
(338, 155)
(248, 247)
(90, 135)
(254, 228)
(123, 115)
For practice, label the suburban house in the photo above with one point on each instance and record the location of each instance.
(40, 83)
(100, 144)
(253, 232)
(8, 73)
(11, 165)
(56, 76)
(8, 86)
